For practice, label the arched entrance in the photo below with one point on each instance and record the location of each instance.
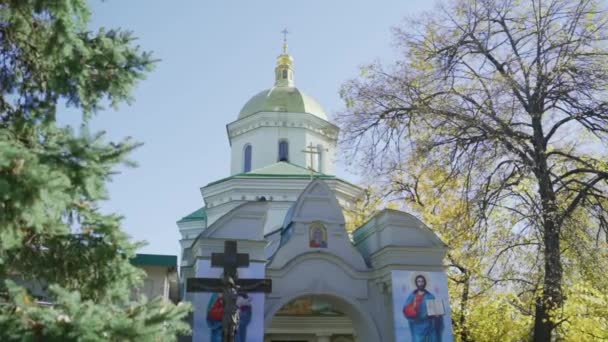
(319, 317)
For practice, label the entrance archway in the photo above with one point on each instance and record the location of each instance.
(319, 317)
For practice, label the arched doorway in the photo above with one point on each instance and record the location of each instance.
(319, 318)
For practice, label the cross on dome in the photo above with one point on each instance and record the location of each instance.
(283, 96)
(284, 69)
(285, 32)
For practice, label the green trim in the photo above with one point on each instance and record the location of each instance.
(262, 175)
(154, 260)
(361, 233)
(197, 215)
(321, 176)
(305, 173)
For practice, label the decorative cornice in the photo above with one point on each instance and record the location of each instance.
(315, 255)
(382, 273)
(389, 255)
(281, 189)
(282, 119)
(408, 249)
(394, 218)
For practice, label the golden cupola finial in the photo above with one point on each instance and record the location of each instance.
(284, 69)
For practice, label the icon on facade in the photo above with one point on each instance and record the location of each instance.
(421, 306)
(318, 235)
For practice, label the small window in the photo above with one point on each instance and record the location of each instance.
(284, 74)
(247, 158)
(283, 150)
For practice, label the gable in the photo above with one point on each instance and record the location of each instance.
(315, 224)
(317, 202)
(245, 222)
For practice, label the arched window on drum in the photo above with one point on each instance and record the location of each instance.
(247, 151)
(283, 150)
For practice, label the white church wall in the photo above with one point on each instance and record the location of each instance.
(274, 242)
(276, 215)
(265, 144)
(379, 303)
(426, 257)
(264, 131)
(327, 153)
(317, 206)
(264, 141)
(204, 247)
(224, 196)
(216, 210)
(185, 243)
(316, 272)
(395, 228)
(318, 201)
(245, 222)
(338, 245)
(190, 229)
(239, 227)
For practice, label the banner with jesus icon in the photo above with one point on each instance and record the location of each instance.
(421, 309)
(208, 307)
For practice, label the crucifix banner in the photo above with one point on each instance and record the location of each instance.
(208, 306)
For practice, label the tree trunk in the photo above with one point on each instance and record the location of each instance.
(464, 303)
(551, 297)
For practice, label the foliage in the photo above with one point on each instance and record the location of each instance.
(503, 105)
(585, 313)
(72, 318)
(494, 318)
(364, 209)
(51, 178)
(479, 263)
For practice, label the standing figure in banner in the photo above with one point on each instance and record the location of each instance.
(215, 314)
(423, 327)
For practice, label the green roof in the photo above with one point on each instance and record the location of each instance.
(282, 99)
(197, 215)
(154, 260)
(278, 170)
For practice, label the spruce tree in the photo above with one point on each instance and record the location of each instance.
(53, 176)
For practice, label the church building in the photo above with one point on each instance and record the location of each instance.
(283, 204)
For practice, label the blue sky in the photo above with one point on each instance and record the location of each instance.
(214, 56)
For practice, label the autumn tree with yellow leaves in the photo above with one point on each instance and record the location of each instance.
(494, 126)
